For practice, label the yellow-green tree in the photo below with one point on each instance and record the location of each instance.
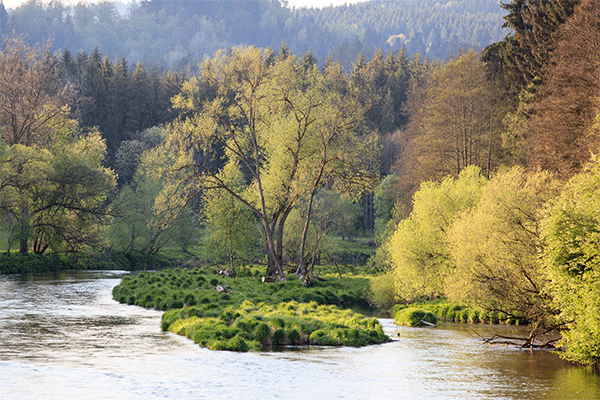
(56, 196)
(495, 249)
(149, 207)
(287, 128)
(231, 229)
(418, 249)
(572, 259)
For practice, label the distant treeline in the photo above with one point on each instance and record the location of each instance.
(178, 33)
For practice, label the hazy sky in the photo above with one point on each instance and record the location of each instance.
(297, 3)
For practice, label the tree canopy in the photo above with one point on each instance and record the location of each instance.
(287, 127)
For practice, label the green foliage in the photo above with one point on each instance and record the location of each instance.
(280, 132)
(414, 317)
(230, 227)
(56, 196)
(251, 326)
(170, 286)
(418, 248)
(495, 247)
(262, 315)
(571, 257)
(149, 214)
(383, 291)
(449, 311)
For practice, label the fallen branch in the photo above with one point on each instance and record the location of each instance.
(523, 343)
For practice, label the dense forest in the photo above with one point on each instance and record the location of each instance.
(178, 33)
(476, 175)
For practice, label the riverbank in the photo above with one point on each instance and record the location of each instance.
(17, 263)
(442, 310)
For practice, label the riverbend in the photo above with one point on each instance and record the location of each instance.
(63, 336)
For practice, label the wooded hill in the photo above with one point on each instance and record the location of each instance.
(177, 33)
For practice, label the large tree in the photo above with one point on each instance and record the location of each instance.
(53, 186)
(56, 197)
(495, 247)
(572, 260)
(458, 121)
(287, 127)
(32, 97)
(563, 125)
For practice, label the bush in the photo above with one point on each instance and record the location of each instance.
(279, 337)
(383, 293)
(414, 317)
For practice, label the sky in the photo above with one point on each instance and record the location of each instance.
(296, 3)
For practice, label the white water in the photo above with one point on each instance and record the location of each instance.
(65, 338)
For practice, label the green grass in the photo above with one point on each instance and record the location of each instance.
(452, 312)
(172, 288)
(415, 317)
(257, 314)
(251, 326)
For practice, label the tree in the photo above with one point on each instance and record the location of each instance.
(56, 195)
(231, 229)
(460, 124)
(567, 105)
(32, 97)
(286, 128)
(53, 185)
(521, 58)
(495, 248)
(571, 258)
(418, 248)
(148, 207)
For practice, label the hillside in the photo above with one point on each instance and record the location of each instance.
(177, 33)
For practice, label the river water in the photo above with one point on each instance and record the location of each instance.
(64, 337)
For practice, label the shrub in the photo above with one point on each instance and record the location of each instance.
(263, 334)
(415, 317)
(279, 337)
(293, 336)
(237, 343)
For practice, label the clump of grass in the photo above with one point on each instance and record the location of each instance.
(415, 317)
(452, 312)
(259, 326)
(280, 314)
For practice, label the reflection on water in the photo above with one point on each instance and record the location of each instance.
(62, 336)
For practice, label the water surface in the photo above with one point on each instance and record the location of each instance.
(63, 336)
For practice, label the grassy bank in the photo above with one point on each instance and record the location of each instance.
(16, 263)
(243, 313)
(410, 315)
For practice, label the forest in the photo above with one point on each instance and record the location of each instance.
(177, 34)
(475, 175)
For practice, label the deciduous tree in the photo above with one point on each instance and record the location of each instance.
(495, 248)
(285, 126)
(460, 124)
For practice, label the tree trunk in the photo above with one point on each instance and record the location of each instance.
(24, 230)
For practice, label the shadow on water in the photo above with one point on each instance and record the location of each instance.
(63, 336)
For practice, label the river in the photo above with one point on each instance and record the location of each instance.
(64, 337)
